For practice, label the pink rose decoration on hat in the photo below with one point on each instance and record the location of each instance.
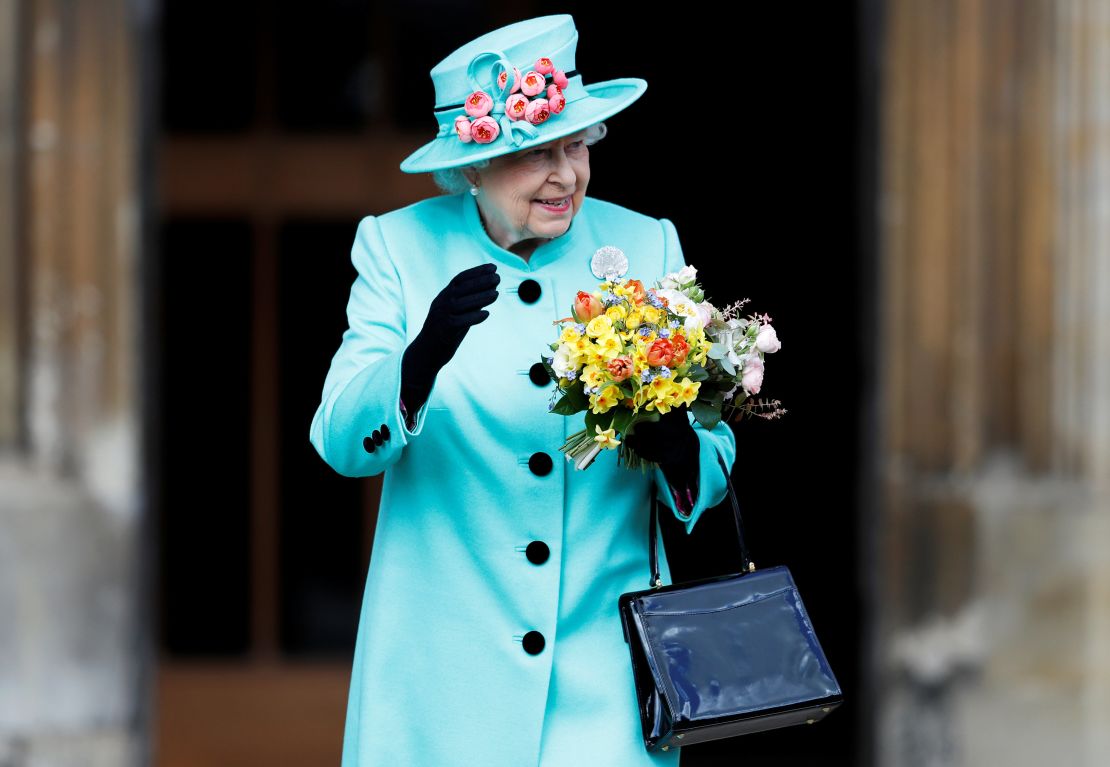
(501, 78)
(533, 83)
(540, 81)
(462, 128)
(537, 111)
(484, 130)
(478, 104)
(516, 106)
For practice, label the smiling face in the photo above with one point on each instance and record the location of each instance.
(512, 187)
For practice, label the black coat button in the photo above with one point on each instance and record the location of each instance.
(538, 374)
(540, 463)
(529, 291)
(537, 552)
(533, 642)
(385, 431)
(368, 445)
(378, 438)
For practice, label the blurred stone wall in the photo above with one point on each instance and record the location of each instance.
(74, 637)
(992, 583)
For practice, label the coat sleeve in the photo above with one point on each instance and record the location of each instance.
(712, 487)
(362, 390)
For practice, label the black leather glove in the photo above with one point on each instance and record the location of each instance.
(451, 315)
(672, 443)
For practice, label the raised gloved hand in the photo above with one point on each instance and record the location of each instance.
(452, 313)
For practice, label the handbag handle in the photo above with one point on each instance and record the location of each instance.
(747, 565)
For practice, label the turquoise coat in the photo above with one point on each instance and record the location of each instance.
(443, 673)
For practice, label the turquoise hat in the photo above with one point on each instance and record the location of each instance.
(503, 112)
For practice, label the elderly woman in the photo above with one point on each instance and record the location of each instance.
(489, 632)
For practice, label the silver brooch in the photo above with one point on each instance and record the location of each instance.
(609, 262)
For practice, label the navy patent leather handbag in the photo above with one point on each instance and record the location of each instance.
(723, 656)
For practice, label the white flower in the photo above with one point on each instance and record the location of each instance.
(705, 312)
(680, 304)
(767, 340)
(561, 363)
(683, 276)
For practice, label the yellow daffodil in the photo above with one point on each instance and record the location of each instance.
(591, 375)
(660, 388)
(687, 391)
(610, 346)
(602, 401)
(606, 437)
(660, 406)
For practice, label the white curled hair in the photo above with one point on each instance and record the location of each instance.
(453, 180)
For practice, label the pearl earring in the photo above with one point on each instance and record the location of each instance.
(474, 191)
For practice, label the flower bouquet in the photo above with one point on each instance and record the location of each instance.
(629, 354)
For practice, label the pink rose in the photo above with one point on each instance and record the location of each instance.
(560, 78)
(485, 129)
(478, 104)
(556, 103)
(504, 76)
(767, 340)
(552, 90)
(516, 106)
(532, 83)
(537, 111)
(462, 128)
(544, 65)
(752, 378)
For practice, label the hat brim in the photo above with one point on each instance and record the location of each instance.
(604, 100)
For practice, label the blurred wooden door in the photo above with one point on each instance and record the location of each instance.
(273, 123)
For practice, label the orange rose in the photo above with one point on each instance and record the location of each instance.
(619, 368)
(586, 307)
(661, 352)
(640, 294)
(681, 349)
